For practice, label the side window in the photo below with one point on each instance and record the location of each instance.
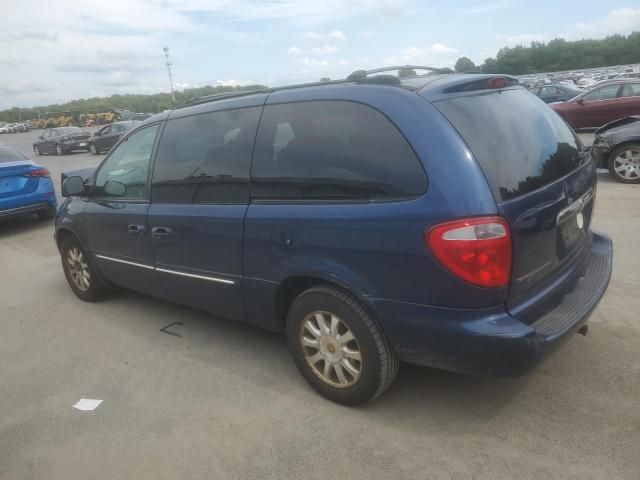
(128, 166)
(332, 150)
(206, 158)
(631, 90)
(548, 91)
(604, 93)
(106, 130)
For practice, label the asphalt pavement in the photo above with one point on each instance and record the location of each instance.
(217, 399)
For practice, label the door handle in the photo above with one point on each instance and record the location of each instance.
(160, 233)
(136, 230)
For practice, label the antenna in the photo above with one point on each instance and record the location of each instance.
(168, 63)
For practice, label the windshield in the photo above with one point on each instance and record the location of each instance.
(68, 130)
(8, 155)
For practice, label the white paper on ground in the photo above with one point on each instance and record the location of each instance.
(87, 404)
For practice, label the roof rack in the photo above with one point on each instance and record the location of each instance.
(362, 74)
(357, 76)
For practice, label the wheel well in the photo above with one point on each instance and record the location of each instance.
(61, 235)
(289, 290)
(622, 144)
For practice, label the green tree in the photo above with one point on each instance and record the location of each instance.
(465, 65)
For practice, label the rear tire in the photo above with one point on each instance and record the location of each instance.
(81, 275)
(624, 163)
(93, 149)
(47, 214)
(338, 348)
(59, 150)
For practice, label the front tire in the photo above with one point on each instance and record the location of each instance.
(338, 348)
(624, 163)
(80, 272)
(93, 149)
(59, 150)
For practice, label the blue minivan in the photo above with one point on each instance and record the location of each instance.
(442, 220)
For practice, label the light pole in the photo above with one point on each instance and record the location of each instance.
(166, 54)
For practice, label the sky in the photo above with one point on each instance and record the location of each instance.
(54, 51)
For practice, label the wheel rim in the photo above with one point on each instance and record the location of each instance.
(78, 269)
(330, 349)
(627, 164)
(59, 150)
(36, 150)
(93, 149)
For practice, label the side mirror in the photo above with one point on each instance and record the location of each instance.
(73, 186)
(115, 188)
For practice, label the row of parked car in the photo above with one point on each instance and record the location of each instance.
(15, 127)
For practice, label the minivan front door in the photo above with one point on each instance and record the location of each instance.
(116, 215)
(200, 193)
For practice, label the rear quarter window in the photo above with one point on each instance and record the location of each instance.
(520, 143)
(332, 150)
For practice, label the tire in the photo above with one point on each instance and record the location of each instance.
(93, 149)
(59, 150)
(36, 151)
(47, 214)
(624, 163)
(90, 290)
(362, 380)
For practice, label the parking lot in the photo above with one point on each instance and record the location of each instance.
(210, 398)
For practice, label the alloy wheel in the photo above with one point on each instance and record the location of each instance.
(78, 269)
(331, 349)
(59, 149)
(627, 164)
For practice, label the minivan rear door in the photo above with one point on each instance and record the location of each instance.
(541, 178)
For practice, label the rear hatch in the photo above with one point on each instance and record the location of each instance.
(543, 182)
(14, 173)
(15, 180)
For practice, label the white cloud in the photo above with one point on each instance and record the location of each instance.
(327, 49)
(343, 61)
(294, 51)
(337, 35)
(621, 21)
(440, 48)
(491, 6)
(521, 39)
(233, 83)
(315, 62)
(332, 35)
(367, 34)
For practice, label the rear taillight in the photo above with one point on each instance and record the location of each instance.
(478, 250)
(41, 172)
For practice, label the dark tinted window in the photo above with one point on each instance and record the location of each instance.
(520, 143)
(604, 93)
(8, 154)
(206, 158)
(332, 150)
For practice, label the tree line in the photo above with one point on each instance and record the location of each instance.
(136, 103)
(559, 55)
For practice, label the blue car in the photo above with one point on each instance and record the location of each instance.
(442, 220)
(25, 187)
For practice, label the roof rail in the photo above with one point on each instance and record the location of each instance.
(357, 76)
(362, 74)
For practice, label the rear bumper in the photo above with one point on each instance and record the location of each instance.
(42, 198)
(491, 342)
(76, 145)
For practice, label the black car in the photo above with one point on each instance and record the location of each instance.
(556, 92)
(617, 147)
(61, 140)
(108, 136)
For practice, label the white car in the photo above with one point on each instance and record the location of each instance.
(7, 128)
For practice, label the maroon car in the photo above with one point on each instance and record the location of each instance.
(602, 104)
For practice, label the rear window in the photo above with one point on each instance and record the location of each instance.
(8, 154)
(519, 142)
